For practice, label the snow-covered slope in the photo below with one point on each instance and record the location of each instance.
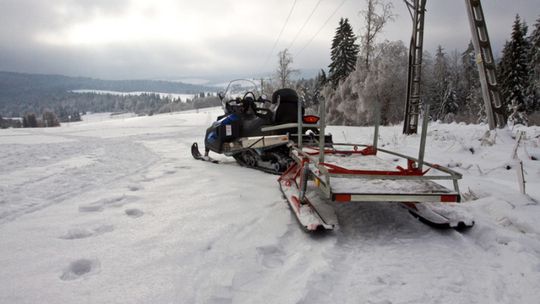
(117, 211)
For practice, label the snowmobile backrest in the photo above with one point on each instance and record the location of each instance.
(287, 106)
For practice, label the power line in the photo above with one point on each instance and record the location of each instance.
(304, 25)
(320, 29)
(279, 36)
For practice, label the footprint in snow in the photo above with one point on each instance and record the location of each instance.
(91, 208)
(183, 167)
(134, 212)
(80, 268)
(270, 256)
(134, 188)
(380, 302)
(101, 204)
(81, 233)
(220, 300)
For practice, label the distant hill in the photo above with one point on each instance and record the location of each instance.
(15, 83)
(21, 92)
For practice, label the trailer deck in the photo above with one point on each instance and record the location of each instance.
(344, 172)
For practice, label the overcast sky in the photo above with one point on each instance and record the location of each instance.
(175, 39)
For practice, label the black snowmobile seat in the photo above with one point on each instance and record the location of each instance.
(287, 109)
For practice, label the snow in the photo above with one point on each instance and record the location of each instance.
(115, 210)
(348, 185)
(359, 162)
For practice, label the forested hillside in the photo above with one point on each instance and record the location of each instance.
(22, 93)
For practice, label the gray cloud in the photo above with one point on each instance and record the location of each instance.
(22, 18)
(237, 39)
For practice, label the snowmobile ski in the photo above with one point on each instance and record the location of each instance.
(197, 154)
(439, 216)
(311, 212)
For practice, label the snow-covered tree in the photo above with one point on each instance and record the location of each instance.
(355, 100)
(313, 89)
(534, 67)
(454, 81)
(514, 74)
(385, 83)
(344, 52)
(376, 15)
(441, 95)
(308, 92)
(321, 78)
(472, 107)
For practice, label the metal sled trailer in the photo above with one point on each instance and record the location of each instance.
(344, 173)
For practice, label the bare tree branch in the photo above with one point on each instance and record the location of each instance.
(376, 15)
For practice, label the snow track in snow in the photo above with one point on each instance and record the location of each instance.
(117, 211)
(382, 254)
(89, 164)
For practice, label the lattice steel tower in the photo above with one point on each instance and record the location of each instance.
(484, 59)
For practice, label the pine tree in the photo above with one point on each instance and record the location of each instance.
(534, 67)
(454, 81)
(31, 120)
(75, 116)
(319, 82)
(514, 74)
(321, 79)
(344, 52)
(443, 97)
(473, 106)
(49, 119)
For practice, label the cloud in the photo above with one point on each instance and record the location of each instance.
(177, 38)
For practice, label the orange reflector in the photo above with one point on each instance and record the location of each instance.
(448, 199)
(312, 119)
(342, 197)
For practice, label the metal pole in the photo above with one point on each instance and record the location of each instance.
(322, 126)
(486, 63)
(299, 131)
(303, 183)
(412, 105)
(377, 123)
(423, 137)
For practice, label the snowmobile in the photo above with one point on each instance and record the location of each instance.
(258, 132)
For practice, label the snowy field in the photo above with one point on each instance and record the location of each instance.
(117, 211)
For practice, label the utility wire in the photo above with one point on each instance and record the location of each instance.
(279, 36)
(320, 29)
(304, 25)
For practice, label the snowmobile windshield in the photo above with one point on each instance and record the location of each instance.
(239, 89)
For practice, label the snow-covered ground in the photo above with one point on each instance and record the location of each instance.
(117, 211)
